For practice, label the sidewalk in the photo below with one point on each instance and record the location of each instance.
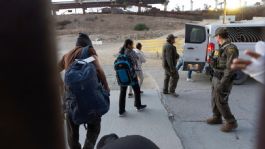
(190, 110)
(153, 123)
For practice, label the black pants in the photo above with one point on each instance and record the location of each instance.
(137, 95)
(93, 130)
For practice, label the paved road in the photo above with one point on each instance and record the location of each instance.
(152, 123)
(190, 110)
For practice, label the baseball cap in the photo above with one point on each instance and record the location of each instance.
(171, 36)
(221, 31)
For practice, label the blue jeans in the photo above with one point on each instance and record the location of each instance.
(180, 63)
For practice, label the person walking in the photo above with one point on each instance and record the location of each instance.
(93, 127)
(180, 64)
(169, 62)
(127, 49)
(139, 70)
(222, 81)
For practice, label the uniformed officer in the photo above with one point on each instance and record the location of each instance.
(222, 81)
(169, 60)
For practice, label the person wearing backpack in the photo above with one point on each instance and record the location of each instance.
(128, 52)
(93, 121)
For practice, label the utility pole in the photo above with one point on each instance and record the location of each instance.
(242, 10)
(165, 5)
(139, 7)
(216, 4)
(224, 17)
(191, 5)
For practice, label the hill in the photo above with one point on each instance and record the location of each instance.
(117, 26)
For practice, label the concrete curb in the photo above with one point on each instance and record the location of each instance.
(170, 113)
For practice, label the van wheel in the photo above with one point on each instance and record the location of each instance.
(240, 78)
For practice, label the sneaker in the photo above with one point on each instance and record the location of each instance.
(141, 108)
(123, 114)
(174, 94)
(214, 120)
(190, 80)
(130, 95)
(228, 127)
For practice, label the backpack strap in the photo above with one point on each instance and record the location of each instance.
(85, 56)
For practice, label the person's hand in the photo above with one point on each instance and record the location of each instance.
(240, 64)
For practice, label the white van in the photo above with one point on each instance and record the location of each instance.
(200, 42)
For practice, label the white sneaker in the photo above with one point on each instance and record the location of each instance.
(190, 80)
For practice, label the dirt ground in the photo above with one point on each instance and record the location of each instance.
(117, 27)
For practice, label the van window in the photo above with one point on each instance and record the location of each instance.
(246, 34)
(195, 34)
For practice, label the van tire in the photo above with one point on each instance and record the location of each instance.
(241, 78)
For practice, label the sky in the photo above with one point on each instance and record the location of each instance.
(200, 3)
(231, 4)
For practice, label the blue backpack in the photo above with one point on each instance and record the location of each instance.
(125, 73)
(85, 96)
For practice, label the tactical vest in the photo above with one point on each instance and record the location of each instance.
(220, 56)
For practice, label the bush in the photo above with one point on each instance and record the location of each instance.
(141, 27)
(63, 23)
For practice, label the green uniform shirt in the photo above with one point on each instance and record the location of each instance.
(224, 59)
(169, 57)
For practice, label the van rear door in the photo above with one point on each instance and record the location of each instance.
(195, 47)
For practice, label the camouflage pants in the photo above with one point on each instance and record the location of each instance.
(93, 130)
(170, 81)
(220, 98)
